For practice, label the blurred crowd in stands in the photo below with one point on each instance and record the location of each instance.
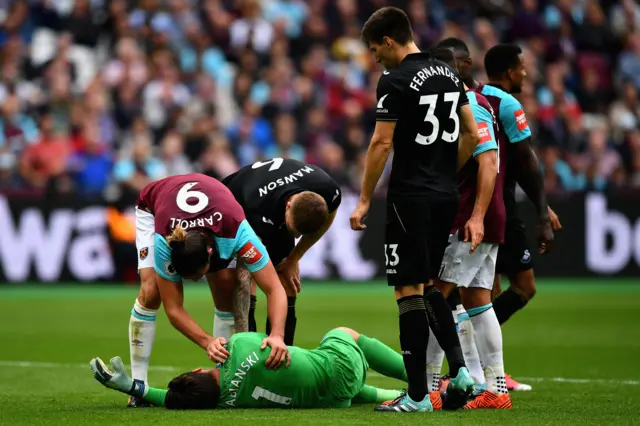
(103, 96)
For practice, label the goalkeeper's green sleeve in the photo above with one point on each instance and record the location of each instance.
(155, 396)
(152, 395)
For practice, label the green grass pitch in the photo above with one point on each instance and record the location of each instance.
(578, 345)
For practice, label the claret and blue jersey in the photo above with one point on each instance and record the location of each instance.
(510, 113)
(196, 201)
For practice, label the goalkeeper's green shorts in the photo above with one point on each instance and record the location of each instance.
(350, 365)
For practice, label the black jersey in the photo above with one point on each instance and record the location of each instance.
(263, 189)
(424, 97)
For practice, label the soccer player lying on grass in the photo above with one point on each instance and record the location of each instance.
(330, 376)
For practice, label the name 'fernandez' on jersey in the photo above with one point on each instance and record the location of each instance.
(424, 97)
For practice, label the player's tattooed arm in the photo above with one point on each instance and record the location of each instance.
(241, 300)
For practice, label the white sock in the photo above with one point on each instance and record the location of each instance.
(142, 332)
(468, 345)
(223, 324)
(489, 341)
(435, 356)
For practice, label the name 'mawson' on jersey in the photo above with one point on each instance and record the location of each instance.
(423, 96)
(263, 188)
(290, 178)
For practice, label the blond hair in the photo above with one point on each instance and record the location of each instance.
(178, 236)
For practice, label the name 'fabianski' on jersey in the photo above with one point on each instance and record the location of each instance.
(423, 96)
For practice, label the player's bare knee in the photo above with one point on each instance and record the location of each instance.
(222, 285)
(444, 287)
(524, 283)
(409, 290)
(350, 331)
(149, 295)
(474, 297)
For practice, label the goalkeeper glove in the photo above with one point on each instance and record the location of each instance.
(117, 379)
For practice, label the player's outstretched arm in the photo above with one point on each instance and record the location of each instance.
(172, 300)
(267, 279)
(116, 378)
(468, 135)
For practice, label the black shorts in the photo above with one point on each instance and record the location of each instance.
(515, 254)
(279, 247)
(216, 264)
(416, 236)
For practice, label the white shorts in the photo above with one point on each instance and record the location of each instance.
(475, 270)
(145, 233)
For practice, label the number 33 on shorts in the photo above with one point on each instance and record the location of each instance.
(391, 257)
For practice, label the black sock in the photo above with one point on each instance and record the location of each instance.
(290, 325)
(252, 314)
(414, 337)
(444, 328)
(454, 299)
(507, 304)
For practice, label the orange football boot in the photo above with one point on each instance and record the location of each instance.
(488, 399)
(436, 400)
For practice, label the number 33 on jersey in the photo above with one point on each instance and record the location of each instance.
(423, 96)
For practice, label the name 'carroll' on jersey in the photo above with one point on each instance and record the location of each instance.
(423, 96)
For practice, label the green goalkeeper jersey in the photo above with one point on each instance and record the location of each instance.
(328, 376)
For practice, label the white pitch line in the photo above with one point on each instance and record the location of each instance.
(567, 380)
(554, 379)
(36, 364)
